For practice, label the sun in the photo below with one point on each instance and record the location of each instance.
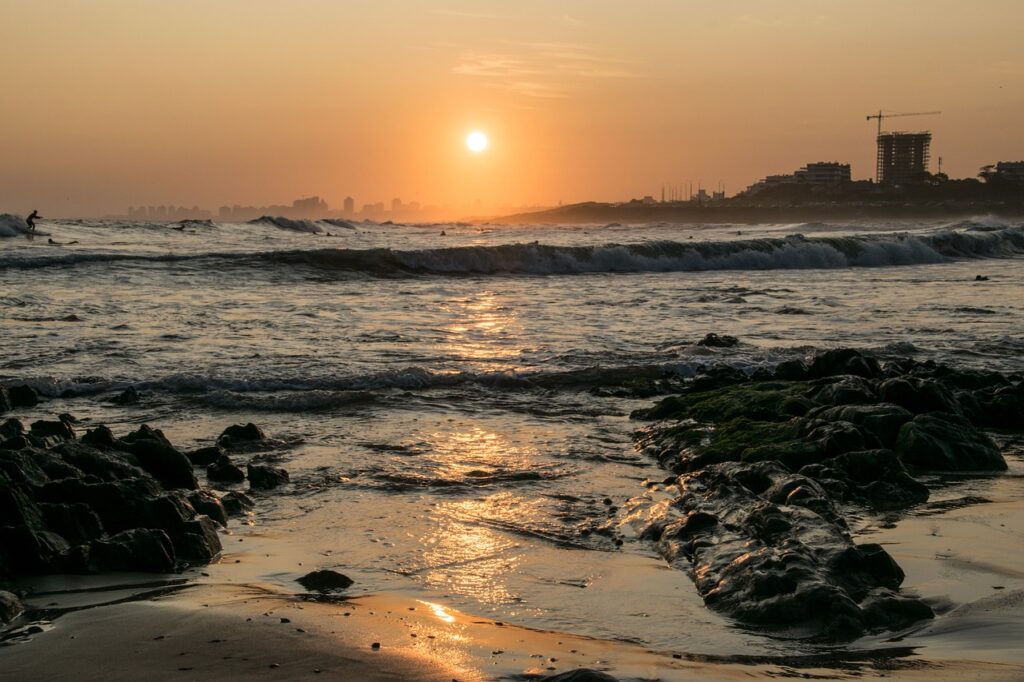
(476, 141)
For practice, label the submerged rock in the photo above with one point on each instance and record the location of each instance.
(325, 580)
(128, 396)
(713, 340)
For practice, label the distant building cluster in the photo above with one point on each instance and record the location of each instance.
(300, 209)
(168, 213)
(820, 175)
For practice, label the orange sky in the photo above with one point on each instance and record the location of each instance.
(108, 103)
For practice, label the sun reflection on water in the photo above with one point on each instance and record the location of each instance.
(480, 333)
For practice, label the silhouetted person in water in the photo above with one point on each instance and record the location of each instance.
(31, 220)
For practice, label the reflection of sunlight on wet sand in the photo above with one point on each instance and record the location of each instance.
(439, 611)
(460, 553)
(469, 560)
(478, 334)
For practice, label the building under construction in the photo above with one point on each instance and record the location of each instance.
(903, 157)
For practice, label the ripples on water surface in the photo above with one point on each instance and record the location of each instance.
(453, 436)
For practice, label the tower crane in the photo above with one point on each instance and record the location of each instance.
(881, 114)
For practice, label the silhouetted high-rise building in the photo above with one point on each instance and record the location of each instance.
(396, 204)
(350, 205)
(903, 157)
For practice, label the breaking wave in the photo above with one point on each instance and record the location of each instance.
(12, 225)
(288, 224)
(792, 252)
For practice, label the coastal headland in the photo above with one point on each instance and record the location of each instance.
(638, 212)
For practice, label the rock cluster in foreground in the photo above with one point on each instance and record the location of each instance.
(106, 503)
(767, 467)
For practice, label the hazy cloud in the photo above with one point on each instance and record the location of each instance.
(541, 69)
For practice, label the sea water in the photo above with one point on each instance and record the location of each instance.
(452, 403)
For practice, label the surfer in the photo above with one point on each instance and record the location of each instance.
(31, 220)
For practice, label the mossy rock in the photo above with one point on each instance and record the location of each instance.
(773, 401)
(947, 442)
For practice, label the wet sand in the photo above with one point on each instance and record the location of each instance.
(231, 632)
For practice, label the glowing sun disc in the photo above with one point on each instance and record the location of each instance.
(476, 141)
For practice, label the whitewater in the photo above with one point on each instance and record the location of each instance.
(456, 397)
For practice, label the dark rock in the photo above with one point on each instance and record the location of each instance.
(882, 420)
(10, 607)
(237, 503)
(792, 370)
(75, 522)
(54, 430)
(16, 443)
(325, 581)
(225, 471)
(139, 549)
(949, 443)
(17, 508)
(104, 465)
(918, 395)
(22, 396)
(848, 390)
(101, 437)
(265, 477)
(128, 396)
(147, 432)
(199, 544)
(713, 340)
(28, 551)
(580, 675)
(205, 456)
(238, 433)
(165, 463)
(205, 502)
(5, 400)
(844, 361)
(717, 376)
(69, 418)
(12, 428)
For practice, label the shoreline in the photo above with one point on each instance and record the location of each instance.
(218, 631)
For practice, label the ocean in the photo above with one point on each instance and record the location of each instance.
(455, 398)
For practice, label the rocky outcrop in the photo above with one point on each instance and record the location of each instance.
(766, 469)
(100, 503)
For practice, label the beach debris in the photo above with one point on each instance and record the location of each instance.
(325, 580)
(767, 469)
